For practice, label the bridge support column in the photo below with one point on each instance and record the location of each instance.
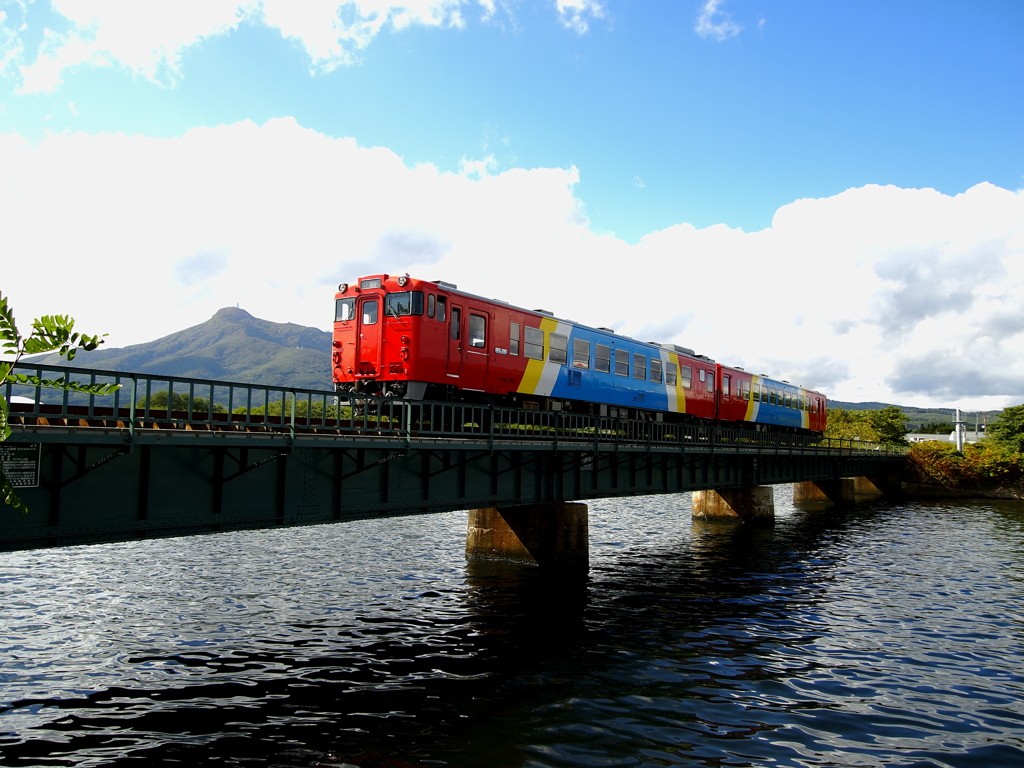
(841, 491)
(877, 485)
(541, 534)
(753, 503)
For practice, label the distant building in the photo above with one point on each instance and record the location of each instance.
(970, 436)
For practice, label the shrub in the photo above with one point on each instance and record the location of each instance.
(987, 462)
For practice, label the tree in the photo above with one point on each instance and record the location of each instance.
(1008, 428)
(49, 333)
(850, 425)
(890, 424)
(179, 402)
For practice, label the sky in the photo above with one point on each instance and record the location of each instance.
(824, 192)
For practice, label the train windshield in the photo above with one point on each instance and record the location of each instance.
(344, 309)
(402, 304)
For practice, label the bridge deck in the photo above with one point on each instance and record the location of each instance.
(231, 456)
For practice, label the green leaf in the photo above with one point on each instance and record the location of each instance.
(8, 327)
(73, 386)
(7, 493)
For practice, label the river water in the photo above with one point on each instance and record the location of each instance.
(890, 634)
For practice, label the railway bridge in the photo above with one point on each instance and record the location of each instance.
(168, 456)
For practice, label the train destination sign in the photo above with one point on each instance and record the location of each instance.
(21, 464)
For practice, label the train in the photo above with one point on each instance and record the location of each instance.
(398, 336)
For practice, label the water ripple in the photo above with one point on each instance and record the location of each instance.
(889, 635)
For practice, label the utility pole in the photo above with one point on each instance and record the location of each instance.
(959, 426)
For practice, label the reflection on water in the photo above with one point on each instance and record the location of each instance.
(889, 635)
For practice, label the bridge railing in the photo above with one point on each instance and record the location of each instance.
(147, 401)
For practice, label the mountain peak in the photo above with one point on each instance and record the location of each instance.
(232, 313)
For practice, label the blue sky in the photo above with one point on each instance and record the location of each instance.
(703, 142)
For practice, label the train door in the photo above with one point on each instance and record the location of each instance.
(474, 360)
(455, 344)
(724, 392)
(368, 343)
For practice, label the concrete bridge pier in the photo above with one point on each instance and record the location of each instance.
(548, 535)
(748, 504)
(873, 486)
(846, 490)
(838, 491)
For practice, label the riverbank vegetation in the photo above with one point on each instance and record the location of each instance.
(994, 464)
(885, 425)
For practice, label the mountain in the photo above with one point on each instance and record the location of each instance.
(230, 346)
(920, 416)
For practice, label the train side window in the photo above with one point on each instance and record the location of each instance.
(656, 371)
(687, 373)
(711, 381)
(534, 343)
(477, 331)
(580, 353)
(431, 299)
(370, 313)
(725, 386)
(442, 307)
(621, 362)
(559, 351)
(639, 366)
(344, 309)
(746, 391)
(456, 323)
(602, 358)
(513, 339)
(757, 393)
(700, 374)
(670, 374)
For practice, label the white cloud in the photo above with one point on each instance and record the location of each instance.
(877, 293)
(575, 14)
(149, 37)
(713, 22)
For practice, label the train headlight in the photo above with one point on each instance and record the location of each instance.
(342, 287)
(402, 281)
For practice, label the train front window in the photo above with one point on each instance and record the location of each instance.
(344, 309)
(369, 313)
(403, 304)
